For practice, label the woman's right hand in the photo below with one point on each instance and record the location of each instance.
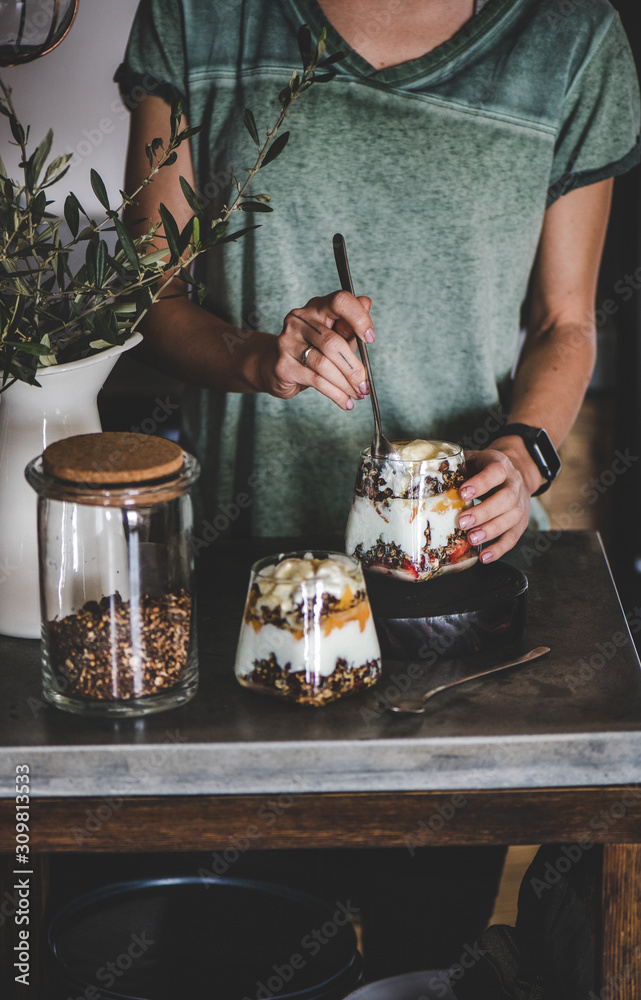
(329, 326)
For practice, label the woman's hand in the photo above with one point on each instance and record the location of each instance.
(504, 478)
(316, 348)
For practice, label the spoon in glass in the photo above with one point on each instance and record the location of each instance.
(417, 705)
(381, 447)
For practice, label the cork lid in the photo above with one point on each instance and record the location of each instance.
(112, 457)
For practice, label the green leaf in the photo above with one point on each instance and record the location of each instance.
(17, 130)
(305, 45)
(321, 45)
(185, 236)
(54, 170)
(171, 232)
(37, 349)
(334, 58)
(190, 196)
(324, 77)
(107, 327)
(90, 263)
(250, 124)
(99, 188)
(170, 159)
(61, 268)
(72, 215)
(149, 260)
(127, 245)
(196, 228)
(232, 237)
(101, 260)
(187, 133)
(4, 111)
(38, 206)
(175, 118)
(254, 206)
(40, 156)
(275, 149)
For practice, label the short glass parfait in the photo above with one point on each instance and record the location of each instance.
(403, 518)
(307, 633)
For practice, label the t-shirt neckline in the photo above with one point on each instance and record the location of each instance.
(457, 47)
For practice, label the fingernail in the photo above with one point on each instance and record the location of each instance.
(369, 336)
(364, 388)
(486, 556)
(349, 405)
(361, 395)
(477, 536)
(466, 521)
(467, 492)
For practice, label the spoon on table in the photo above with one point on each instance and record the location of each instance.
(417, 705)
(381, 447)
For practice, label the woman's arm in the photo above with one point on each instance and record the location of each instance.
(554, 368)
(187, 341)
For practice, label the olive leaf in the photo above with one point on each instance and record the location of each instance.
(250, 123)
(99, 189)
(276, 148)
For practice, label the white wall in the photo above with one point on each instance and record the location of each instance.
(71, 90)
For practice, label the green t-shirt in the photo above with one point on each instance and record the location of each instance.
(437, 172)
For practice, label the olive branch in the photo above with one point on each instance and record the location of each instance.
(51, 314)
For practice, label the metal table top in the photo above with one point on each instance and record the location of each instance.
(572, 718)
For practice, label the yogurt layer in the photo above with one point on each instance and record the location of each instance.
(403, 519)
(308, 632)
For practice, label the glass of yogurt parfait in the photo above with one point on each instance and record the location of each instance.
(403, 519)
(307, 633)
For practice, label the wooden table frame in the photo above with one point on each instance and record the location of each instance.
(607, 817)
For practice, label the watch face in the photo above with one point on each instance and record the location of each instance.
(549, 462)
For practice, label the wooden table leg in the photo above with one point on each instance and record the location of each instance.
(621, 915)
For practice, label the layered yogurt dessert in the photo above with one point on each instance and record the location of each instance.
(308, 632)
(403, 519)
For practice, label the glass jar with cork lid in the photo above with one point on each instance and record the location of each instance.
(116, 573)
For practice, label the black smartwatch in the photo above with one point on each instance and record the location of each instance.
(540, 448)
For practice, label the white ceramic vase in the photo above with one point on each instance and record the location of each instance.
(30, 419)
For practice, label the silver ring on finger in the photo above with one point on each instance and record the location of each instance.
(306, 354)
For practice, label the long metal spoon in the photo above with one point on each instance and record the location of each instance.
(418, 705)
(381, 447)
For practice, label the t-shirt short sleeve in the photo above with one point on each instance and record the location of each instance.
(154, 60)
(601, 116)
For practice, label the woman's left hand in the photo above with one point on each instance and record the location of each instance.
(503, 479)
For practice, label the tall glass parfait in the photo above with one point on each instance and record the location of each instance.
(403, 518)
